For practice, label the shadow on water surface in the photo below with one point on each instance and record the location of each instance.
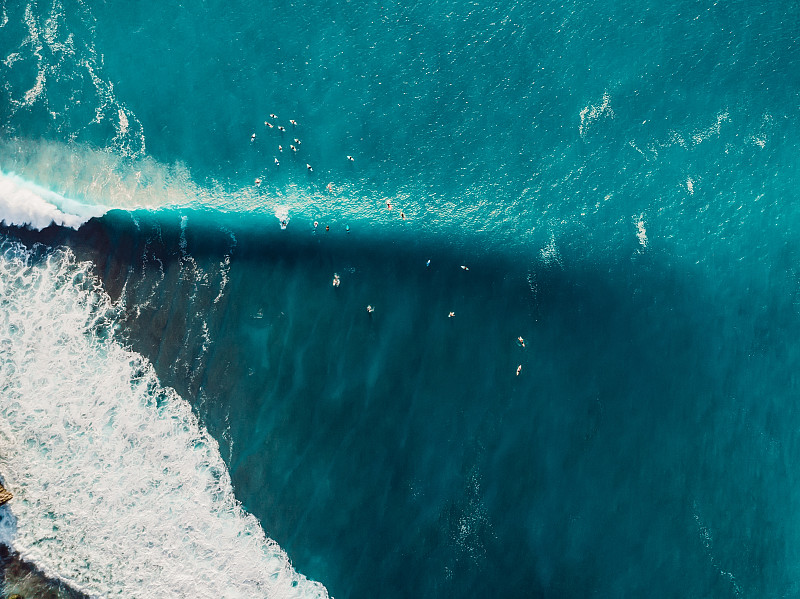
(643, 445)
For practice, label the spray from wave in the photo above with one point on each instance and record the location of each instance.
(25, 204)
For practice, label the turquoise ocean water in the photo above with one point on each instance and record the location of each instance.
(577, 226)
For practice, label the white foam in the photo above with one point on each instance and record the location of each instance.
(23, 203)
(282, 214)
(713, 130)
(11, 59)
(591, 113)
(550, 254)
(117, 489)
(761, 137)
(707, 539)
(641, 232)
(123, 123)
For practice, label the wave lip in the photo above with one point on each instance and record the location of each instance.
(25, 204)
(118, 489)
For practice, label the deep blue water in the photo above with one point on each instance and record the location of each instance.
(621, 182)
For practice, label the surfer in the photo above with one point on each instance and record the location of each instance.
(268, 124)
(316, 224)
(273, 116)
(521, 341)
(281, 128)
(280, 148)
(388, 205)
(294, 149)
(451, 315)
(253, 137)
(258, 182)
(284, 223)
(519, 369)
(293, 122)
(277, 163)
(351, 159)
(402, 215)
(335, 280)
(329, 187)
(310, 170)
(297, 141)
(370, 309)
(428, 263)
(464, 267)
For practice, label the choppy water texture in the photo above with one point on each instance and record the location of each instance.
(576, 224)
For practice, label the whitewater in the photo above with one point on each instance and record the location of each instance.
(118, 490)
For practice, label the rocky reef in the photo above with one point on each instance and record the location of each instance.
(21, 580)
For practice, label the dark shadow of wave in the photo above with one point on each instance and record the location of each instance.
(644, 444)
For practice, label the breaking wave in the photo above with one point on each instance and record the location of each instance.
(118, 489)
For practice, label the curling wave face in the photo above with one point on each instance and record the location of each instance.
(25, 204)
(118, 490)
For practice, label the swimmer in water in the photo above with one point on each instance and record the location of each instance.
(347, 228)
(370, 309)
(329, 187)
(327, 227)
(521, 341)
(335, 280)
(519, 369)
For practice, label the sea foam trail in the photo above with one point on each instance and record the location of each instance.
(25, 204)
(118, 490)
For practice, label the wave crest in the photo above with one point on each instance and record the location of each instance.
(25, 204)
